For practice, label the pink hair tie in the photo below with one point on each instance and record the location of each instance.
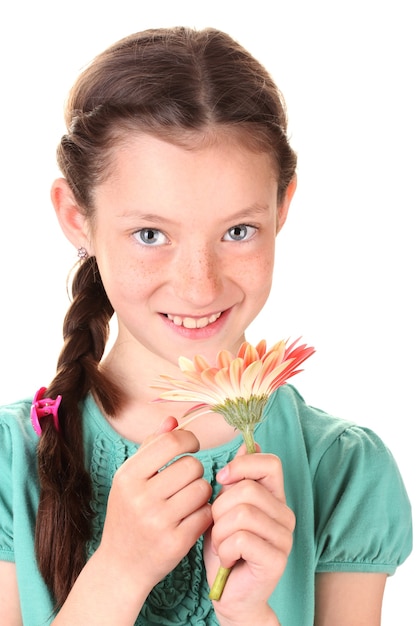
(42, 407)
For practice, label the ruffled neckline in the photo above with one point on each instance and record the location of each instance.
(107, 430)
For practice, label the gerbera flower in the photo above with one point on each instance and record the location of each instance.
(238, 387)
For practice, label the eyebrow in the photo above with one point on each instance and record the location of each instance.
(246, 212)
(145, 217)
(250, 211)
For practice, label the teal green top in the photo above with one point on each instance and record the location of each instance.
(352, 510)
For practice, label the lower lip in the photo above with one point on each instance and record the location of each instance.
(197, 334)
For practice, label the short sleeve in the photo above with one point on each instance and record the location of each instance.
(6, 495)
(362, 511)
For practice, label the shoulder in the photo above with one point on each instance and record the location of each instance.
(326, 436)
(18, 471)
(326, 445)
(15, 423)
(18, 443)
(361, 510)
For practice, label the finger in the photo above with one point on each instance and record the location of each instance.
(245, 518)
(255, 551)
(276, 529)
(168, 424)
(177, 476)
(189, 500)
(158, 451)
(247, 495)
(192, 526)
(264, 468)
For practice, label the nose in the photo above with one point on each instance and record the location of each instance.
(197, 276)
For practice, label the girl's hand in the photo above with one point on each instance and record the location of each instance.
(155, 515)
(252, 533)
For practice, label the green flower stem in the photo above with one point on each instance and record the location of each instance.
(219, 583)
(223, 573)
(249, 440)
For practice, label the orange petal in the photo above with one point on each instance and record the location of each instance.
(275, 379)
(210, 380)
(201, 363)
(249, 377)
(250, 355)
(261, 348)
(236, 370)
(224, 358)
(271, 361)
(223, 381)
(242, 350)
(278, 349)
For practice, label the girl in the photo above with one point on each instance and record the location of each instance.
(177, 177)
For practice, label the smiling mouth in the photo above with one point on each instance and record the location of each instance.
(193, 322)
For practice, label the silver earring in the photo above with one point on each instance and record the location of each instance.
(82, 253)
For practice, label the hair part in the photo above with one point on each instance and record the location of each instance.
(175, 84)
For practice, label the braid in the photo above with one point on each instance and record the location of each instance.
(63, 523)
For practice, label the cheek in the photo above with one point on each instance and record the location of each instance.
(257, 271)
(125, 280)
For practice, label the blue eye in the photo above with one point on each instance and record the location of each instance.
(150, 237)
(241, 232)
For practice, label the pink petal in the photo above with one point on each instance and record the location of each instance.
(290, 348)
(184, 395)
(300, 354)
(271, 361)
(203, 407)
(254, 371)
(274, 379)
(281, 380)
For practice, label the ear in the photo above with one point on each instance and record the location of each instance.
(71, 217)
(285, 204)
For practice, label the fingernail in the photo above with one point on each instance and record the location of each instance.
(223, 474)
(168, 424)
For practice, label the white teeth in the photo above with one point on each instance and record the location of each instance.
(191, 322)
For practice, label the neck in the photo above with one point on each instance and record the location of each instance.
(141, 416)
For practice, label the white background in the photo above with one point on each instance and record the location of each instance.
(347, 266)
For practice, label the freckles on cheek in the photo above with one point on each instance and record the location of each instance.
(119, 277)
(258, 271)
(137, 279)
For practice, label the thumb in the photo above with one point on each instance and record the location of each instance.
(223, 474)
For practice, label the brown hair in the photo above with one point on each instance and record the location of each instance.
(182, 85)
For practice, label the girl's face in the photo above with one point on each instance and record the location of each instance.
(184, 240)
